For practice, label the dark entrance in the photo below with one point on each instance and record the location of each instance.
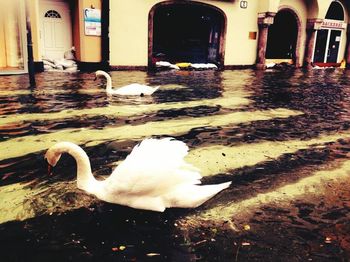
(328, 39)
(282, 36)
(184, 32)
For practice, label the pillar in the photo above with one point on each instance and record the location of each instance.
(311, 28)
(264, 21)
(347, 54)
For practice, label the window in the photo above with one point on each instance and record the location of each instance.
(52, 14)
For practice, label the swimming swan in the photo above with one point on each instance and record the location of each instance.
(129, 90)
(154, 176)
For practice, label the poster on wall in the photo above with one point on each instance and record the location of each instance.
(92, 21)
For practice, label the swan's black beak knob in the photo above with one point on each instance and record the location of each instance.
(142, 94)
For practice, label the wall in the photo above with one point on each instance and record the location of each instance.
(129, 32)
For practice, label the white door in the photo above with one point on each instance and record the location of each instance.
(56, 29)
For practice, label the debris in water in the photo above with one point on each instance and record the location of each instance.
(120, 248)
(328, 240)
(246, 227)
(200, 242)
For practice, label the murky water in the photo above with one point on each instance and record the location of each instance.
(282, 137)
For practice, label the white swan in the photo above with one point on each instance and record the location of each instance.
(128, 90)
(154, 176)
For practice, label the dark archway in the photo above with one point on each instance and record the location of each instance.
(186, 32)
(282, 36)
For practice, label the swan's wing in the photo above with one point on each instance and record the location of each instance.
(153, 167)
(135, 89)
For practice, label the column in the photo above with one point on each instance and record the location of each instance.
(311, 28)
(347, 54)
(264, 21)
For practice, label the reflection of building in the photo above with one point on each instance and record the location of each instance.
(229, 33)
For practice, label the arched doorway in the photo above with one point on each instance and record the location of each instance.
(283, 37)
(56, 28)
(186, 32)
(328, 38)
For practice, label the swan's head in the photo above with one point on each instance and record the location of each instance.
(100, 73)
(52, 156)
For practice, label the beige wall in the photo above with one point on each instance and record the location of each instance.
(129, 32)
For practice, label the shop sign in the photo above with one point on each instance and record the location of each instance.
(92, 21)
(328, 23)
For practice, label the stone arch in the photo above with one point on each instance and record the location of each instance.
(214, 29)
(312, 9)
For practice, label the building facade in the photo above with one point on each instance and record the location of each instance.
(134, 34)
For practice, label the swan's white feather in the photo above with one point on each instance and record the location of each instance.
(128, 90)
(154, 176)
(134, 89)
(153, 167)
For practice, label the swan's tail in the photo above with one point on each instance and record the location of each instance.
(191, 196)
(155, 89)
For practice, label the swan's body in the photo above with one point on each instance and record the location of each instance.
(129, 90)
(154, 176)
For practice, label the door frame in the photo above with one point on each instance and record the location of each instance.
(221, 53)
(325, 63)
(67, 5)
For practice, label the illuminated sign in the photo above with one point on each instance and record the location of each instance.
(328, 23)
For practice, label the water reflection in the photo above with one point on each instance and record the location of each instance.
(282, 137)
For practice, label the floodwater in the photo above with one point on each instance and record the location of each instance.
(281, 136)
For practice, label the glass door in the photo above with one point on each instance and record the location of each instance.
(327, 46)
(320, 47)
(333, 46)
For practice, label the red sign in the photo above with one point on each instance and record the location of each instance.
(333, 24)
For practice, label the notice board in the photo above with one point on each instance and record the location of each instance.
(92, 21)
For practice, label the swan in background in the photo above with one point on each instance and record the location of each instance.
(154, 176)
(128, 90)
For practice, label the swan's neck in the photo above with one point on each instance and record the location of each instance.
(85, 178)
(109, 83)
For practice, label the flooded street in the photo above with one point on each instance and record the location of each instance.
(281, 136)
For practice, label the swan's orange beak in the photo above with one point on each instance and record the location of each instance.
(49, 169)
